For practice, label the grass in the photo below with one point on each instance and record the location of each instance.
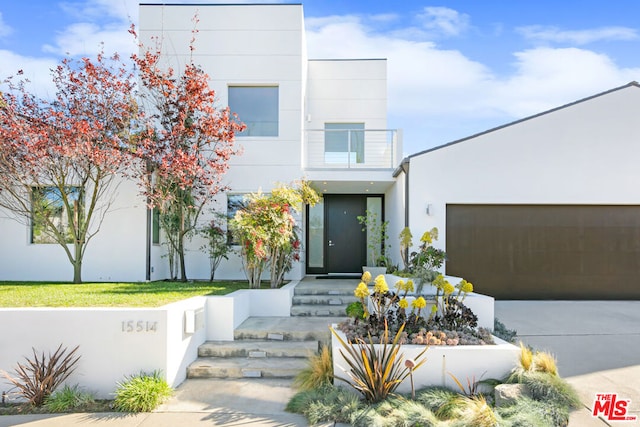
(142, 294)
(142, 393)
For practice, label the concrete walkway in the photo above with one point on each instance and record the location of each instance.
(597, 345)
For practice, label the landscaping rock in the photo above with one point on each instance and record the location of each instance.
(508, 394)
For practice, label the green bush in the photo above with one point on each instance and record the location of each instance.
(326, 403)
(142, 393)
(68, 399)
(527, 412)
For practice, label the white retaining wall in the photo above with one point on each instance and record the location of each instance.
(117, 342)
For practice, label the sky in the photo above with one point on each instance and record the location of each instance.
(455, 67)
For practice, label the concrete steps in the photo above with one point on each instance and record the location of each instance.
(246, 367)
(323, 298)
(317, 310)
(278, 347)
(257, 349)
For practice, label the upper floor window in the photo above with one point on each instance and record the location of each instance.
(344, 143)
(53, 213)
(257, 107)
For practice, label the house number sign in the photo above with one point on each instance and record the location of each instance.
(140, 326)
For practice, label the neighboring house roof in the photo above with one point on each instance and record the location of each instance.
(631, 84)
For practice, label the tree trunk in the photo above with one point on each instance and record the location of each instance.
(183, 270)
(77, 264)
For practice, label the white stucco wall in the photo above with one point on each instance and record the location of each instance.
(116, 253)
(584, 153)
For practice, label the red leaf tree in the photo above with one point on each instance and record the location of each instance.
(188, 144)
(60, 157)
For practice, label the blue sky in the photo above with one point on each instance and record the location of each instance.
(456, 67)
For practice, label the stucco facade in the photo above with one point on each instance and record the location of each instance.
(243, 47)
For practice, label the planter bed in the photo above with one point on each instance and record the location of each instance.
(472, 362)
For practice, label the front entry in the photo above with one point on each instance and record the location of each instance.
(335, 240)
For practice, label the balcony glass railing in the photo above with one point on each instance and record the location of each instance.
(352, 148)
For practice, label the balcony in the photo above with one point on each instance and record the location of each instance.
(352, 149)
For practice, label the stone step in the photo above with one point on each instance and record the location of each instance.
(324, 299)
(257, 349)
(318, 310)
(287, 328)
(319, 287)
(243, 367)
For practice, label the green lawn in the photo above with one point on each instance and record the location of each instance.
(151, 294)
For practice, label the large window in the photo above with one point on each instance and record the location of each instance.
(50, 215)
(257, 107)
(344, 143)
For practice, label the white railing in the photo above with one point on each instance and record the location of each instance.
(352, 149)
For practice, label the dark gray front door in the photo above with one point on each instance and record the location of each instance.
(346, 242)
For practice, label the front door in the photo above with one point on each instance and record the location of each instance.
(346, 242)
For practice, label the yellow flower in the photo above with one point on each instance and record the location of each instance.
(434, 309)
(434, 233)
(400, 285)
(409, 286)
(362, 291)
(419, 303)
(366, 277)
(448, 288)
(465, 286)
(426, 238)
(403, 303)
(380, 285)
(439, 281)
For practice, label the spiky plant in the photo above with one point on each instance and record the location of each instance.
(476, 412)
(68, 399)
(142, 393)
(545, 362)
(318, 372)
(37, 378)
(376, 371)
(526, 357)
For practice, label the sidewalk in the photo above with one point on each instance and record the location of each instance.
(597, 344)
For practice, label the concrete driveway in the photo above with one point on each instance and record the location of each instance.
(596, 344)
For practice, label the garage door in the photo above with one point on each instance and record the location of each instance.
(546, 252)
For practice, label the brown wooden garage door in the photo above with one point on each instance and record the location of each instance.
(546, 252)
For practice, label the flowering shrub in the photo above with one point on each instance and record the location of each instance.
(448, 322)
(266, 230)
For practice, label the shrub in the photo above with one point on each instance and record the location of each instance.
(37, 378)
(68, 399)
(326, 403)
(141, 393)
(318, 373)
(501, 331)
(527, 412)
(376, 372)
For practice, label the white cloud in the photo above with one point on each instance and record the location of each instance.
(577, 37)
(439, 95)
(444, 20)
(88, 39)
(36, 70)
(5, 29)
(545, 78)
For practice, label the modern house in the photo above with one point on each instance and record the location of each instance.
(545, 207)
(319, 119)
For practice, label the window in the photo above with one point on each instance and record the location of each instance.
(49, 213)
(344, 143)
(235, 202)
(155, 226)
(257, 107)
